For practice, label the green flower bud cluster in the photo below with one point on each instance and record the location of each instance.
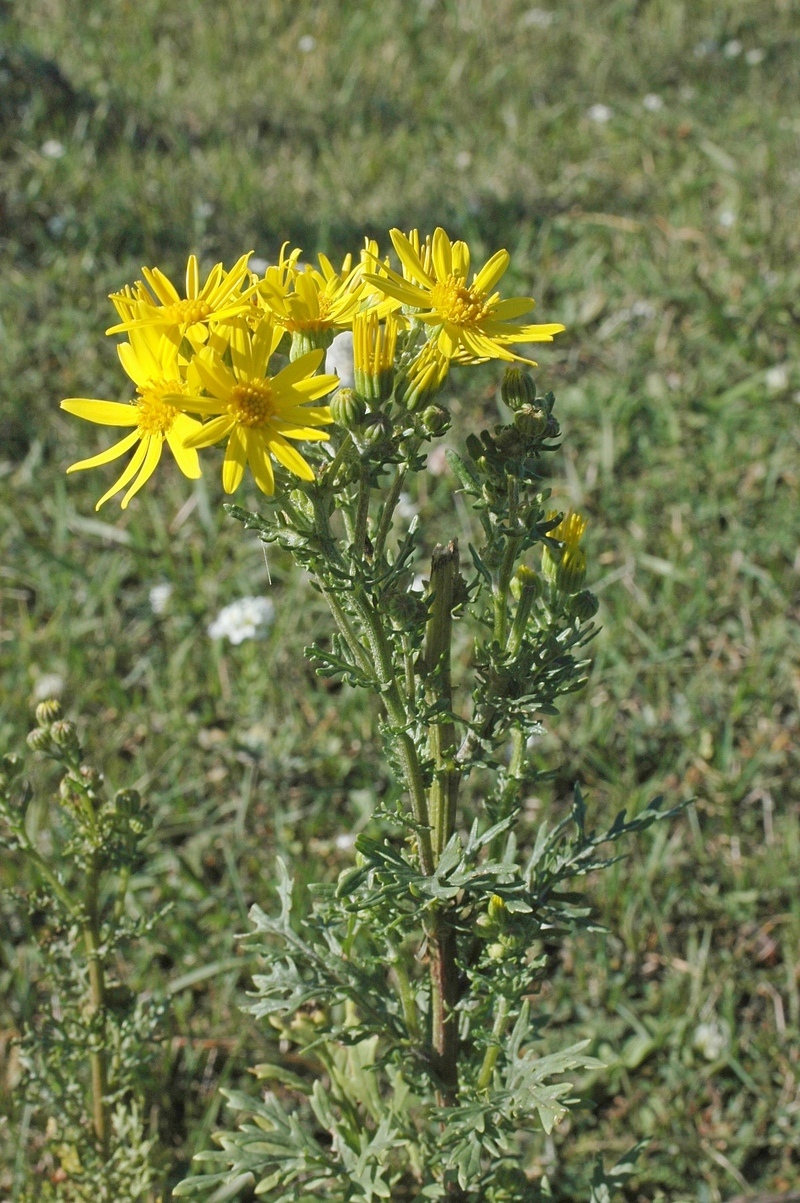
(348, 408)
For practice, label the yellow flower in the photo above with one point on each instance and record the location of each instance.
(567, 569)
(373, 355)
(313, 305)
(471, 322)
(220, 299)
(259, 413)
(151, 361)
(423, 378)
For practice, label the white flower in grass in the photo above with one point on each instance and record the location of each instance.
(159, 596)
(733, 48)
(727, 219)
(600, 113)
(653, 102)
(247, 618)
(755, 56)
(777, 378)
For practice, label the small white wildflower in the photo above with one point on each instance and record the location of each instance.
(159, 596)
(653, 102)
(246, 618)
(339, 358)
(259, 266)
(643, 309)
(53, 149)
(777, 378)
(755, 56)
(711, 1039)
(463, 159)
(733, 48)
(727, 219)
(536, 18)
(345, 841)
(307, 43)
(49, 685)
(600, 113)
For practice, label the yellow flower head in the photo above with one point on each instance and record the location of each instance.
(373, 355)
(220, 299)
(151, 361)
(259, 413)
(423, 378)
(472, 322)
(312, 305)
(567, 569)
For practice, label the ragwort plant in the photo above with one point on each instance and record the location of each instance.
(83, 1054)
(406, 992)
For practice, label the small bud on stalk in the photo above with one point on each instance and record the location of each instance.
(47, 712)
(348, 408)
(518, 388)
(435, 420)
(376, 430)
(583, 605)
(531, 421)
(39, 739)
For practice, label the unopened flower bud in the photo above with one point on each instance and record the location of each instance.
(526, 581)
(406, 608)
(436, 420)
(518, 388)
(347, 408)
(571, 572)
(497, 909)
(39, 739)
(531, 421)
(583, 605)
(63, 734)
(376, 429)
(47, 712)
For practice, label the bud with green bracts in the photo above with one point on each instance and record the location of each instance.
(583, 605)
(376, 429)
(47, 712)
(304, 341)
(64, 735)
(518, 388)
(348, 409)
(531, 421)
(39, 740)
(435, 420)
(422, 380)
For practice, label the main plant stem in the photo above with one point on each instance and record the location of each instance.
(442, 807)
(97, 1009)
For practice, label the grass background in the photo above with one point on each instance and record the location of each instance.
(666, 239)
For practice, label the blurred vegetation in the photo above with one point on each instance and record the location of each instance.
(666, 238)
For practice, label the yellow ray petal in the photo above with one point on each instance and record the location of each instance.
(409, 258)
(309, 415)
(215, 377)
(310, 389)
(258, 458)
(405, 293)
(105, 457)
(461, 258)
(192, 278)
(105, 413)
(442, 254)
(536, 334)
(492, 271)
(211, 433)
(291, 430)
(506, 311)
(134, 464)
(161, 285)
(301, 367)
(286, 454)
(154, 448)
(234, 462)
(185, 457)
(132, 365)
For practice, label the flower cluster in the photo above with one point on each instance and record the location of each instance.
(202, 363)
